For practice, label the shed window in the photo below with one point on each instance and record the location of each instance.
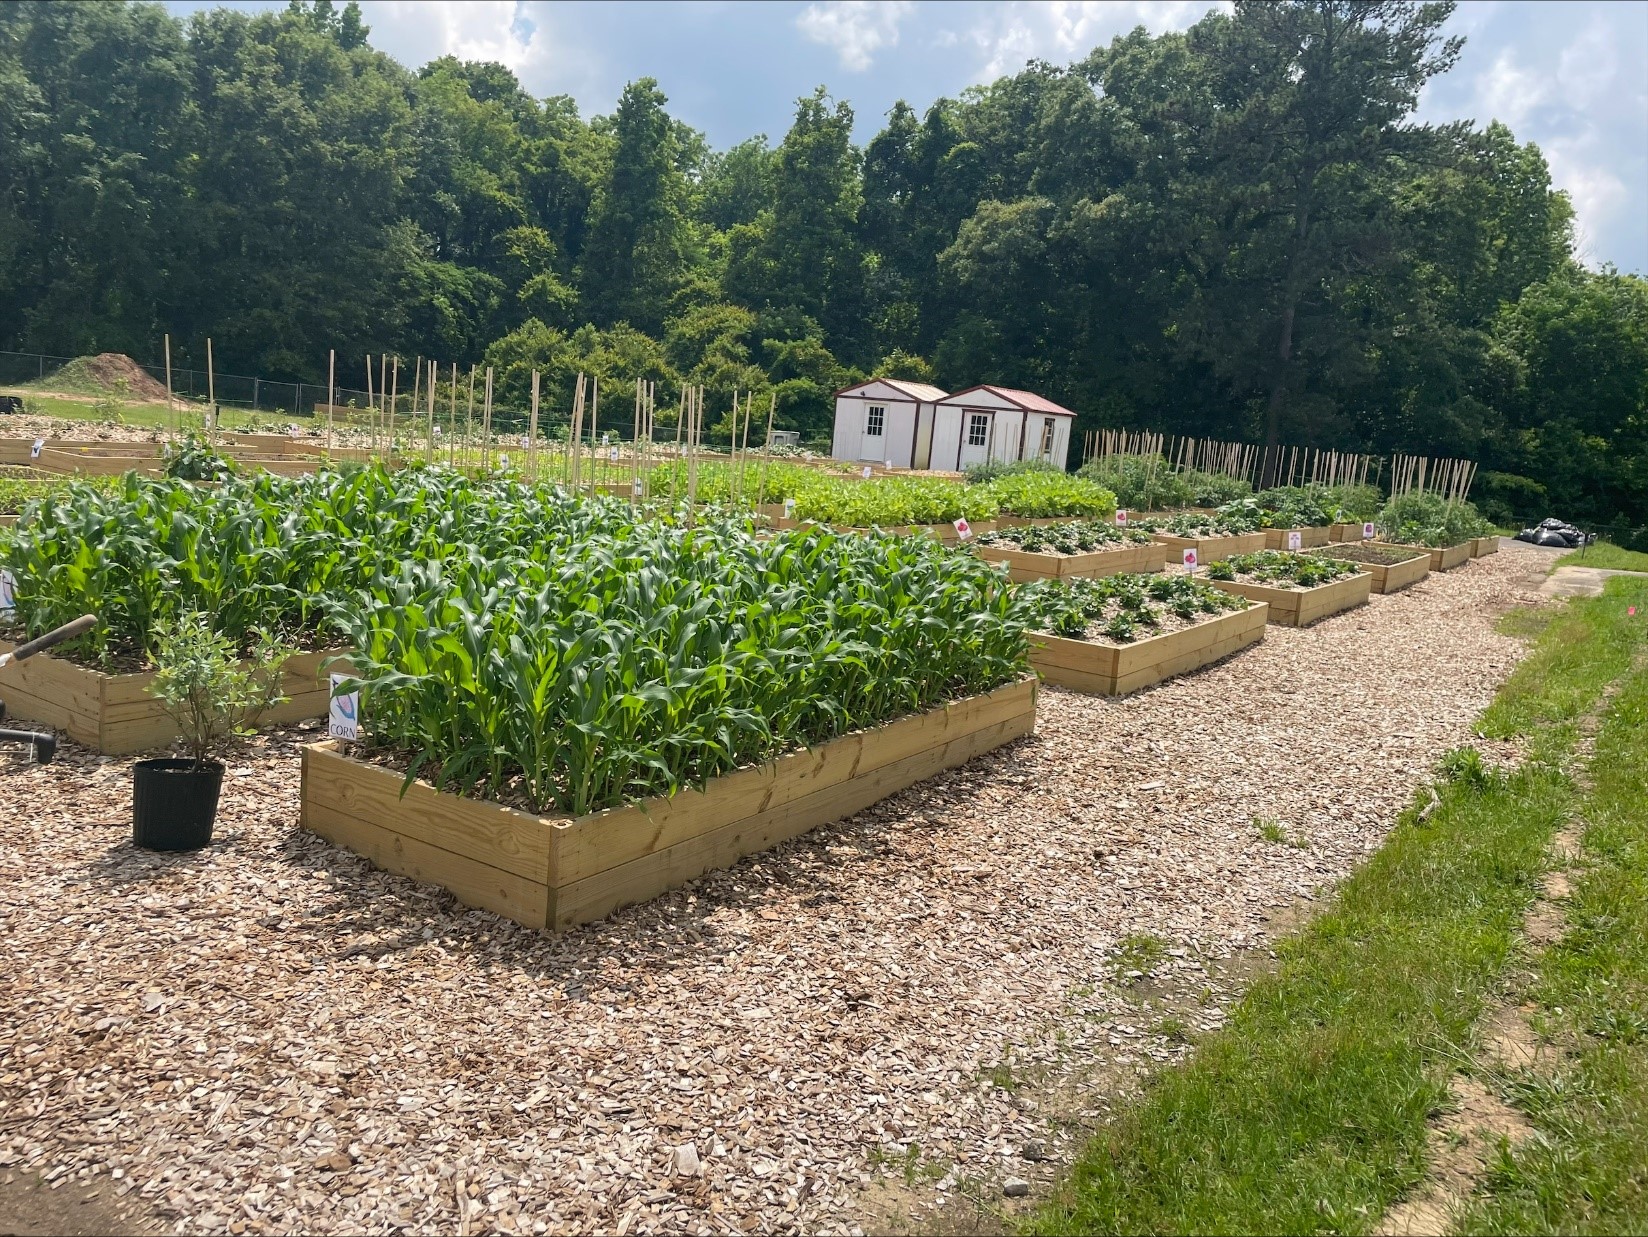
(978, 429)
(875, 420)
(1047, 438)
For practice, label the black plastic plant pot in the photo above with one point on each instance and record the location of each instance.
(174, 803)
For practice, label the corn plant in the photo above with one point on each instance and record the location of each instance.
(637, 663)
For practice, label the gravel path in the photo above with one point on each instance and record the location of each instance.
(270, 1036)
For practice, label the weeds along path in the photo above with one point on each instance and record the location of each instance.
(272, 1036)
(1332, 1093)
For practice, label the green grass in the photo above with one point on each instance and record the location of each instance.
(1308, 1112)
(137, 415)
(1605, 554)
(1588, 1171)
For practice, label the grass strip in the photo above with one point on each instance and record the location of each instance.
(1588, 1171)
(1308, 1112)
(1605, 554)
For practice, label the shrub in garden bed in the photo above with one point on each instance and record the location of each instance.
(653, 658)
(1280, 569)
(1429, 520)
(1122, 609)
(1140, 482)
(893, 502)
(1075, 537)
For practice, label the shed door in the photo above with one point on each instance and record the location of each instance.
(975, 438)
(873, 442)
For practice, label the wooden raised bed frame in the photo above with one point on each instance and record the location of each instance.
(114, 713)
(1115, 670)
(1300, 607)
(1311, 537)
(1345, 532)
(1022, 565)
(1442, 558)
(558, 872)
(1394, 577)
(1211, 549)
(1481, 547)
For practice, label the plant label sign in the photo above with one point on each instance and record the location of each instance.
(8, 592)
(1121, 518)
(789, 508)
(964, 530)
(1367, 531)
(343, 715)
(503, 459)
(1296, 539)
(867, 471)
(1190, 560)
(37, 448)
(1630, 611)
(613, 455)
(635, 488)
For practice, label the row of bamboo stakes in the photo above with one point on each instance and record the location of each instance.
(1288, 465)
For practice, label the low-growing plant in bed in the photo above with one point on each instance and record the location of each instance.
(1071, 548)
(894, 502)
(1231, 530)
(1299, 588)
(1041, 494)
(1120, 633)
(1067, 537)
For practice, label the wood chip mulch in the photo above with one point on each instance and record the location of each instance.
(269, 1036)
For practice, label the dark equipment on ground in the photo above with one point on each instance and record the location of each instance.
(43, 744)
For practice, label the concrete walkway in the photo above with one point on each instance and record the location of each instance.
(1572, 581)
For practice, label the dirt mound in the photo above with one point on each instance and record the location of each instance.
(104, 374)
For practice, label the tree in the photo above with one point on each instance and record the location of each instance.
(634, 258)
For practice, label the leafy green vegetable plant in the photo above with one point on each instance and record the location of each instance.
(1072, 537)
(1280, 569)
(1119, 607)
(1041, 494)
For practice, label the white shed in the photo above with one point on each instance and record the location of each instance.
(988, 423)
(887, 421)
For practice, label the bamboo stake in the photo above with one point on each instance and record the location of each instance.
(766, 450)
(469, 419)
(171, 408)
(211, 395)
(331, 390)
(429, 430)
(594, 420)
(486, 426)
(532, 432)
(452, 422)
(383, 396)
(389, 423)
(749, 401)
(371, 407)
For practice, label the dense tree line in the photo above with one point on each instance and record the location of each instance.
(1238, 230)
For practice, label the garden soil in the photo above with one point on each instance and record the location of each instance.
(270, 1036)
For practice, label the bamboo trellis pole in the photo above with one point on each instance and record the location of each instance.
(172, 430)
(211, 395)
(766, 450)
(371, 407)
(331, 389)
(394, 391)
(469, 419)
(532, 432)
(429, 430)
(486, 426)
(594, 422)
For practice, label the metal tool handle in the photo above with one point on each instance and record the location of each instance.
(68, 631)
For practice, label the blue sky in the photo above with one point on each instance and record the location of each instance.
(1571, 75)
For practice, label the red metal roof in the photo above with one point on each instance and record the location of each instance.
(1019, 399)
(915, 390)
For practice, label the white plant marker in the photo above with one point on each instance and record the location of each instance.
(1190, 560)
(1121, 518)
(1367, 531)
(964, 530)
(343, 712)
(1296, 539)
(37, 448)
(867, 472)
(635, 487)
(8, 591)
(789, 508)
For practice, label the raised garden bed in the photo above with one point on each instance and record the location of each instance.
(1211, 548)
(1084, 548)
(560, 871)
(1116, 635)
(1442, 558)
(1309, 538)
(115, 715)
(947, 533)
(1483, 546)
(1393, 568)
(1299, 589)
(1341, 533)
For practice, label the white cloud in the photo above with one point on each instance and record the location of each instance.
(1064, 30)
(857, 29)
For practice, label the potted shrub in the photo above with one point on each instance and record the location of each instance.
(212, 697)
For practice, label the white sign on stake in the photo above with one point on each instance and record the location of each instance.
(8, 591)
(503, 459)
(39, 446)
(614, 455)
(343, 715)
(1296, 539)
(635, 488)
(1121, 517)
(867, 471)
(964, 530)
(789, 508)
(1367, 531)
(1190, 560)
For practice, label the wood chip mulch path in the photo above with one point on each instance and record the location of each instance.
(270, 1036)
